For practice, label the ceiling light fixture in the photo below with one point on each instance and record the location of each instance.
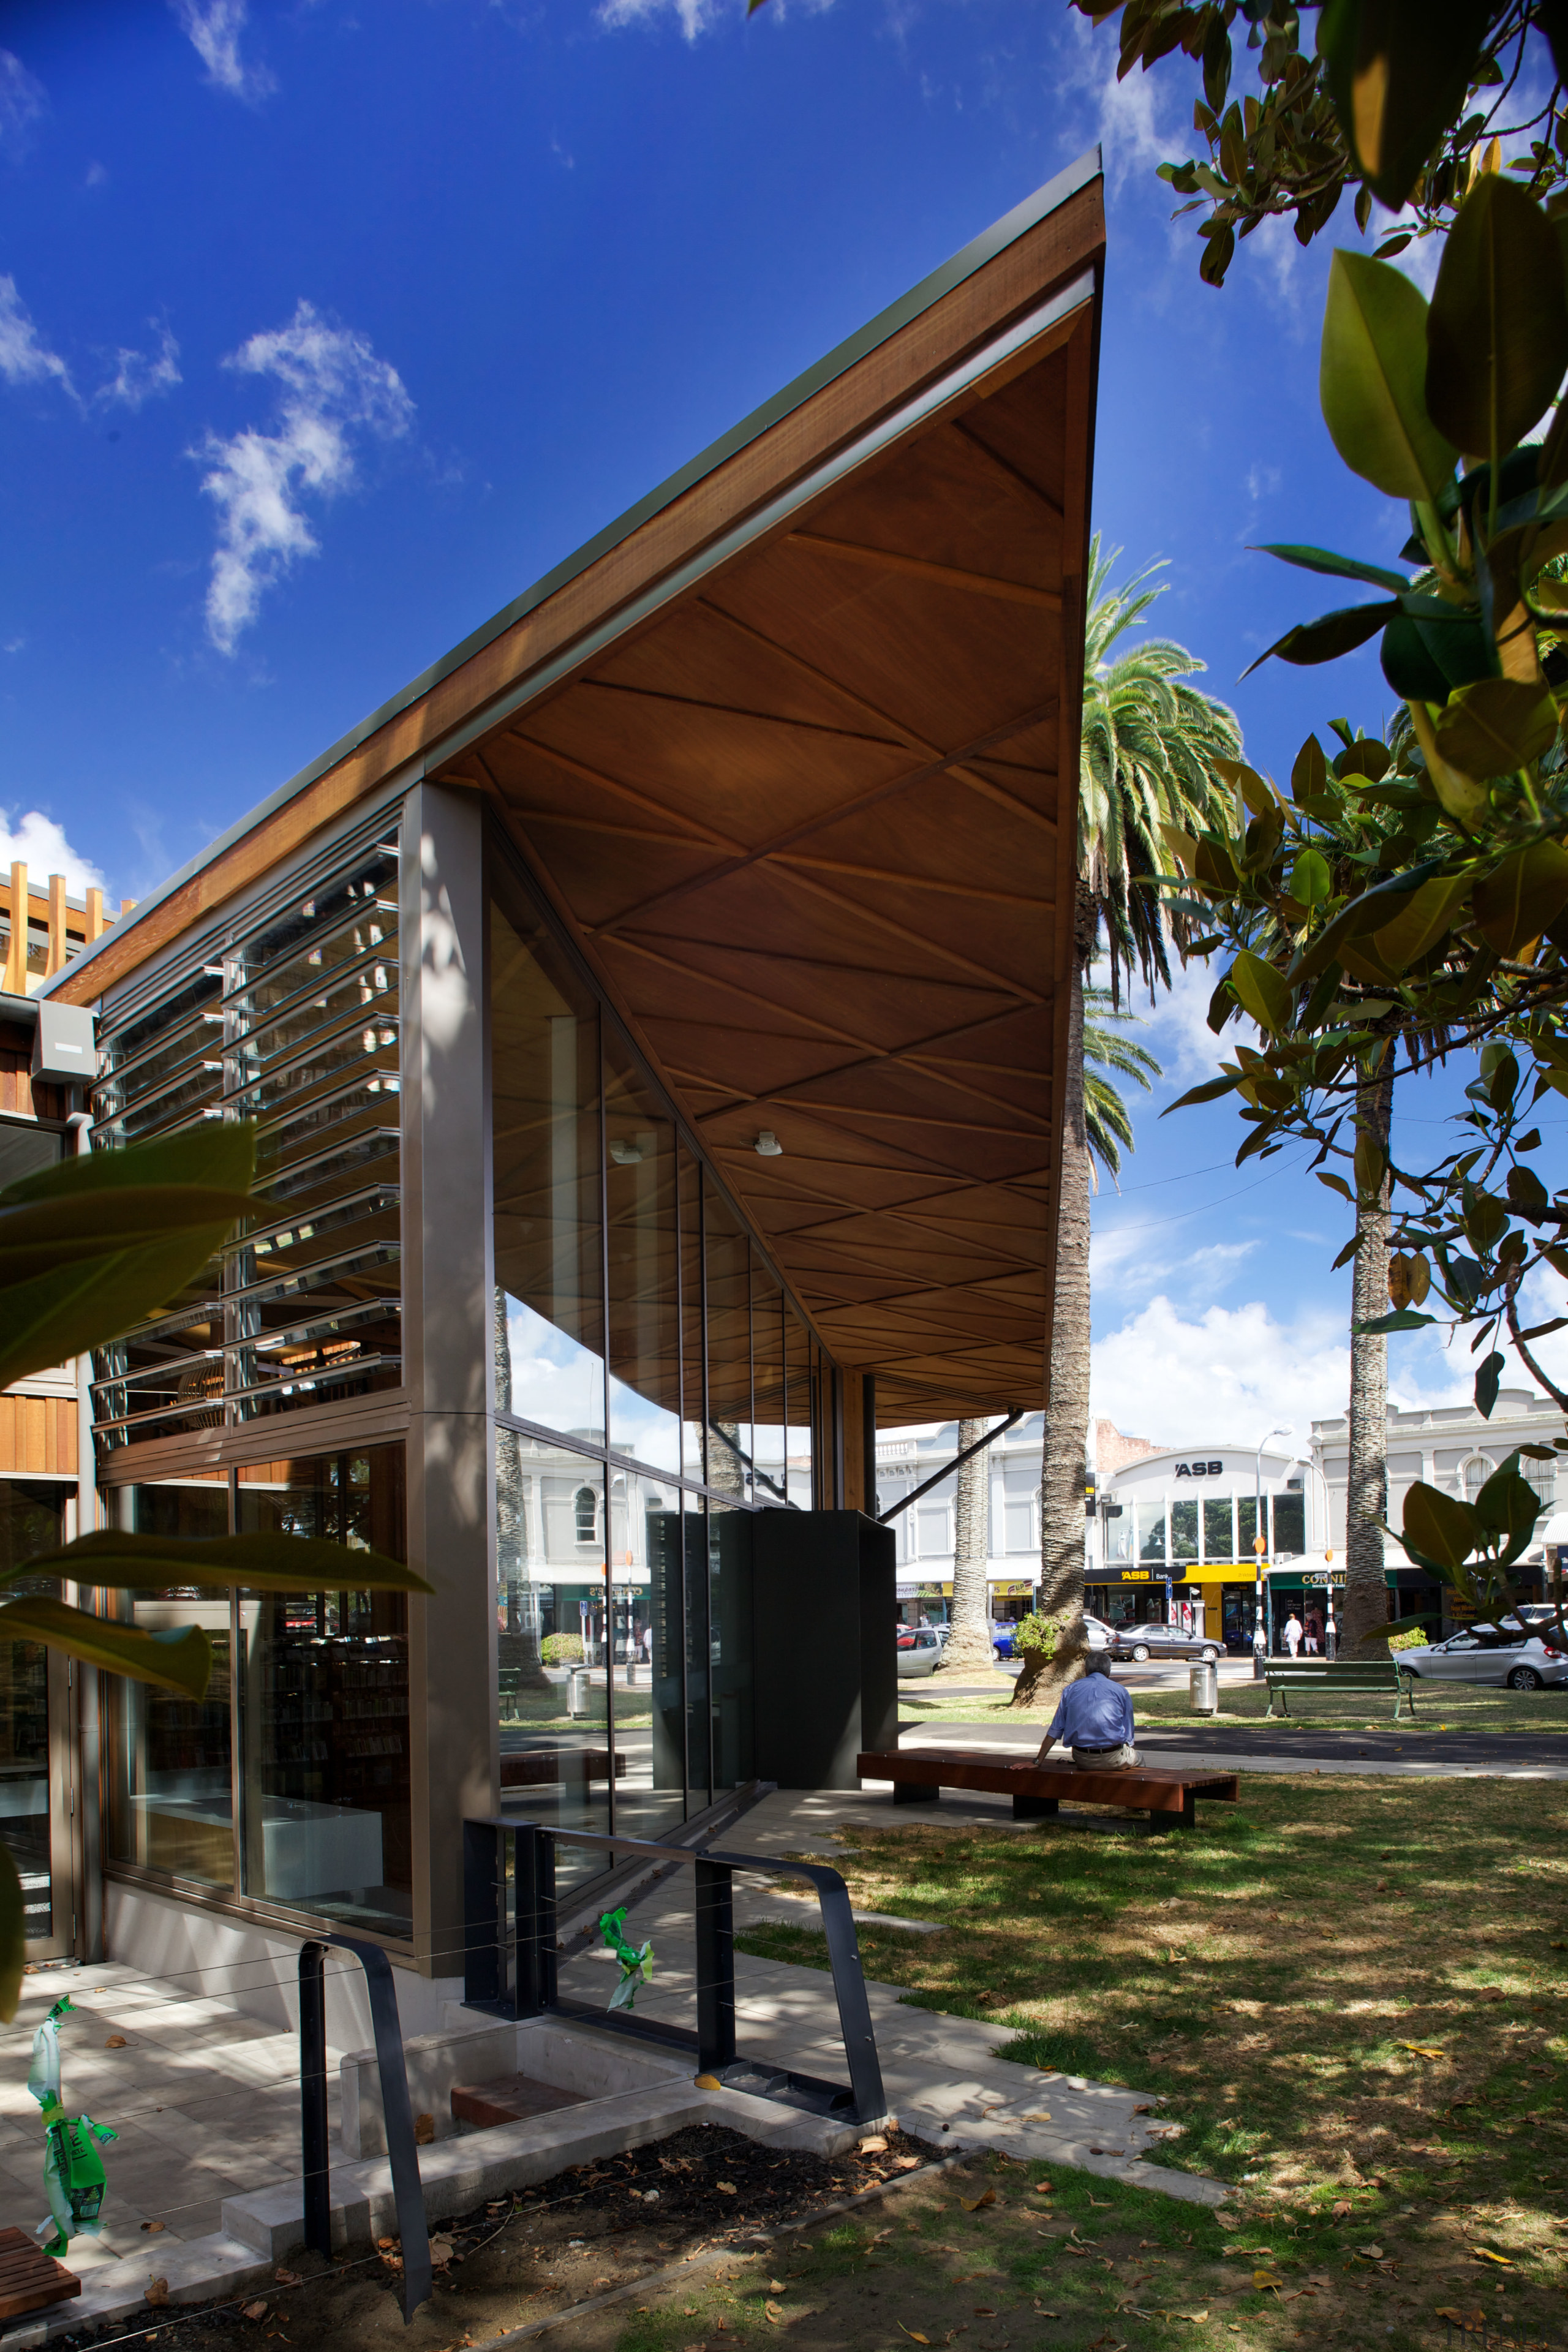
(768, 1145)
(626, 1155)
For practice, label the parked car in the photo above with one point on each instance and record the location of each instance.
(1100, 1636)
(1141, 1642)
(920, 1652)
(1002, 1638)
(1482, 1653)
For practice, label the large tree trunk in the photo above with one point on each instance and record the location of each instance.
(1366, 1496)
(1067, 1408)
(969, 1644)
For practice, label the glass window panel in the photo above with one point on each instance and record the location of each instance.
(1183, 1531)
(645, 1613)
(24, 1149)
(544, 1064)
(730, 1643)
(797, 1449)
(698, 1656)
(1151, 1531)
(691, 1188)
(729, 1348)
(1220, 1533)
(1119, 1533)
(641, 1248)
(1290, 1524)
(1247, 1524)
(768, 1428)
(553, 1698)
(31, 1522)
(323, 1681)
(171, 1803)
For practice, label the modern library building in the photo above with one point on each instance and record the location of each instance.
(654, 1020)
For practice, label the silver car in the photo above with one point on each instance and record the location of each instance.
(920, 1652)
(1482, 1653)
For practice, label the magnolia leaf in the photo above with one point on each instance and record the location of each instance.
(1426, 916)
(1440, 1525)
(1515, 903)
(1459, 793)
(1425, 658)
(1329, 635)
(1487, 1382)
(1310, 881)
(1399, 1279)
(13, 1936)
(1210, 1091)
(1260, 798)
(1496, 725)
(1420, 1280)
(1308, 777)
(1506, 1503)
(180, 1659)
(1372, 378)
(1371, 1163)
(1365, 757)
(1397, 71)
(266, 1562)
(1497, 333)
(1262, 992)
(1402, 1319)
(1338, 567)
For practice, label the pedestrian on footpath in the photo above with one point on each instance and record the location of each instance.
(1292, 1633)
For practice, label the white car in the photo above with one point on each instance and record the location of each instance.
(1482, 1653)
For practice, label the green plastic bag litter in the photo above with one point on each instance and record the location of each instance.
(636, 1967)
(74, 2178)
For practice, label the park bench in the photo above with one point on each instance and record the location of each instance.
(1169, 1798)
(1365, 1677)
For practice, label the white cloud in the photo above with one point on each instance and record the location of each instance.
(22, 101)
(1176, 1030)
(335, 389)
(695, 16)
(137, 378)
(23, 358)
(36, 841)
(214, 31)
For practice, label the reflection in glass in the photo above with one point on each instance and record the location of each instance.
(1290, 1525)
(698, 1656)
(1183, 1531)
(544, 1060)
(645, 1595)
(171, 1798)
(768, 1434)
(1220, 1533)
(30, 1525)
(1247, 1524)
(730, 1643)
(640, 1230)
(1151, 1531)
(729, 1348)
(323, 1681)
(689, 1185)
(1119, 1535)
(797, 1412)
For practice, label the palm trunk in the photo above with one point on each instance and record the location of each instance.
(970, 1642)
(1067, 1408)
(1366, 1496)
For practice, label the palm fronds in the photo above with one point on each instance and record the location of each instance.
(1107, 1122)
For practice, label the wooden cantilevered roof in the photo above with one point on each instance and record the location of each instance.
(793, 751)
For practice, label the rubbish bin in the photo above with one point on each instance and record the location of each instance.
(577, 1692)
(1203, 1688)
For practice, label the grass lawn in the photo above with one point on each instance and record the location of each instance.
(1452, 1708)
(1349, 1995)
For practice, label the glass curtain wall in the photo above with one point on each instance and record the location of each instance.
(31, 1524)
(653, 1389)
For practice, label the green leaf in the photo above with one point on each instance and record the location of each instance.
(1487, 1380)
(267, 1562)
(1397, 71)
(1440, 1525)
(178, 1660)
(1496, 725)
(1329, 636)
(1308, 777)
(1514, 904)
(1508, 1504)
(1371, 379)
(13, 1936)
(1423, 660)
(1426, 916)
(90, 1245)
(1310, 881)
(1210, 1091)
(1370, 912)
(1497, 333)
(1262, 992)
(1405, 1320)
(1338, 567)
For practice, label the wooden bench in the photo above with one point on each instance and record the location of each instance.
(1369, 1677)
(1036, 1789)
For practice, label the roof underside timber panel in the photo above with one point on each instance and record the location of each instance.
(807, 825)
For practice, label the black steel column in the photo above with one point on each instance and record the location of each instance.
(533, 1886)
(715, 1968)
(315, 2159)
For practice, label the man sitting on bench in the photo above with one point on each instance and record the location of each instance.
(1095, 1720)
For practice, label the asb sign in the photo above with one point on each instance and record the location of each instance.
(1199, 1469)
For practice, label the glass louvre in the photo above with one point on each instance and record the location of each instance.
(642, 1252)
(323, 1685)
(1219, 1529)
(769, 1433)
(544, 1099)
(729, 1348)
(797, 1410)
(297, 1029)
(171, 1785)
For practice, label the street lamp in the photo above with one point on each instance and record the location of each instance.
(1259, 1546)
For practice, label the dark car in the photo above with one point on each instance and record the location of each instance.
(1141, 1642)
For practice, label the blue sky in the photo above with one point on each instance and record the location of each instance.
(326, 328)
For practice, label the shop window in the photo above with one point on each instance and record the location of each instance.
(1477, 1470)
(1183, 1531)
(1220, 1529)
(585, 1505)
(1151, 1532)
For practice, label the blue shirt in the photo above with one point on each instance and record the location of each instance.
(1095, 1712)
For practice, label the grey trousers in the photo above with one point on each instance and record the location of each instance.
(1105, 1759)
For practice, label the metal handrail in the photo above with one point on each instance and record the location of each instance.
(535, 1993)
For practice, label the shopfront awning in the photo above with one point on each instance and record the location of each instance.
(792, 751)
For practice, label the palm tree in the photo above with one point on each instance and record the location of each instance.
(1148, 748)
(1107, 1126)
